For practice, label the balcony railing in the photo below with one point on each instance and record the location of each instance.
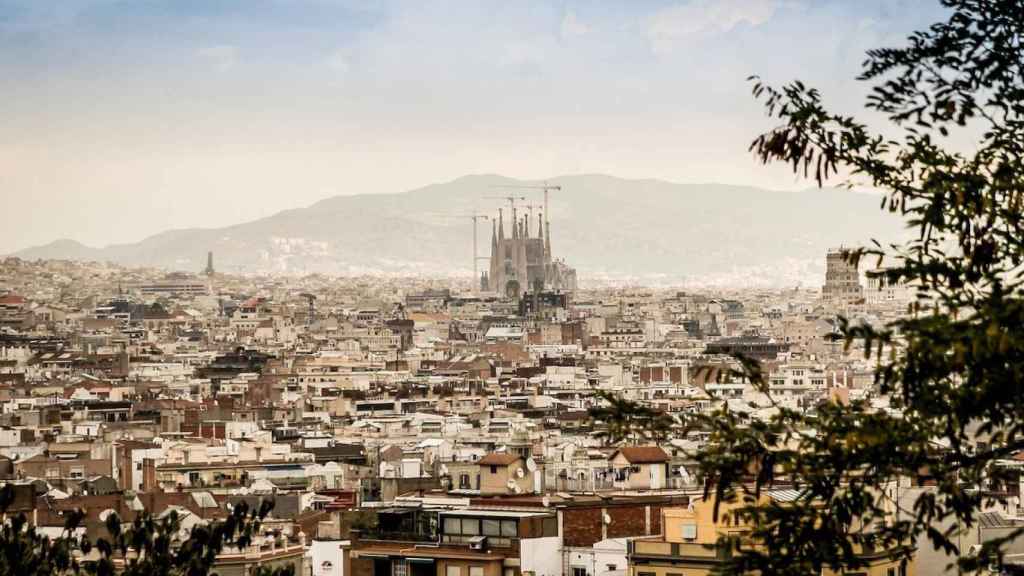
(395, 536)
(655, 548)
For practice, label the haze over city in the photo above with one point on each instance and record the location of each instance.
(511, 288)
(170, 115)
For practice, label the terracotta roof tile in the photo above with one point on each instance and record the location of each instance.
(643, 454)
(498, 459)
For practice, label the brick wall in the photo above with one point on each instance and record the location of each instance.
(627, 521)
(584, 526)
(581, 526)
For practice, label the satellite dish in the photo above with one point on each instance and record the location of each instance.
(606, 519)
(531, 464)
(520, 472)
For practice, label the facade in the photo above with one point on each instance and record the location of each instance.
(688, 544)
(842, 279)
(640, 467)
(504, 473)
(522, 263)
(469, 542)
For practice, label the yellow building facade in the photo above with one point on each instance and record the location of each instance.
(688, 546)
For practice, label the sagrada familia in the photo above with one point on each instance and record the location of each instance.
(522, 263)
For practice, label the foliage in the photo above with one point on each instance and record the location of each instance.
(953, 368)
(147, 547)
(625, 419)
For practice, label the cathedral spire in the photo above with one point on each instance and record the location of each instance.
(515, 224)
(494, 235)
(540, 226)
(501, 224)
(547, 240)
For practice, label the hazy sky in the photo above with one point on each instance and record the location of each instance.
(124, 118)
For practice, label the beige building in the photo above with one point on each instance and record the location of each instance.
(504, 473)
(688, 544)
(640, 468)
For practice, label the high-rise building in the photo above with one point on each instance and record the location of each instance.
(209, 264)
(842, 278)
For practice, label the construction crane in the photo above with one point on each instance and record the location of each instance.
(476, 259)
(475, 218)
(547, 213)
(545, 187)
(531, 208)
(511, 199)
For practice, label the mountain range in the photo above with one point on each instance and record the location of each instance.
(602, 225)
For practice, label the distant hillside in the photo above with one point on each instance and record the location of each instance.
(600, 224)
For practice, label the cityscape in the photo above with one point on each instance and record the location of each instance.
(576, 374)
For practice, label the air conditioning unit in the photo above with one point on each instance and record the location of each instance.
(478, 543)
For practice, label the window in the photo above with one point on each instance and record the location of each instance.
(398, 568)
(453, 571)
(464, 526)
(476, 571)
(892, 572)
(578, 571)
(550, 527)
(491, 527)
(494, 469)
(509, 529)
(645, 574)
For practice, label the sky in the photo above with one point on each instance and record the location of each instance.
(123, 118)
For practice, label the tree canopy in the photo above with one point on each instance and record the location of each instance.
(953, 367)
(147, 546)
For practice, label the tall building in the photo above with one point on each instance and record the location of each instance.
(521, 262)
(842, 279)
(209, 264)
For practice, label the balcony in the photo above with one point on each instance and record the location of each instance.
(659, 549)
(396, 536)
